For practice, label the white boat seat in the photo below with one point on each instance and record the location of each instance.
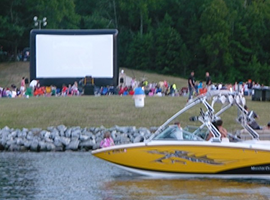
(225, 140)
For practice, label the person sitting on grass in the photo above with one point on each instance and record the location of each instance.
(39, 91)
(64, 90)
(69, 90)
(74, 89)
(267, 127)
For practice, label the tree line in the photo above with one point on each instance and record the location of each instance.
(228, 38)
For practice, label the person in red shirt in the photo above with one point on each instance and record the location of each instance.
(64, 90)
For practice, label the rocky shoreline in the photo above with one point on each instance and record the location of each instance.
(62, 138)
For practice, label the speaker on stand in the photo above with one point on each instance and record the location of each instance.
(89, 88)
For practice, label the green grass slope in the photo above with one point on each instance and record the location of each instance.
(91, 111)
(12, 73)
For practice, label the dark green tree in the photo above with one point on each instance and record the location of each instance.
(139, 51)
(171, 54)
(16, 19)
(215, 39)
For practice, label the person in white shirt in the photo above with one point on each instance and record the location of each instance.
(33, 84)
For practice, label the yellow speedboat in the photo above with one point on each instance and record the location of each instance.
(172, 152)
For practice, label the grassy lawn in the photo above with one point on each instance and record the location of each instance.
(108, 111)
(86, 111)
(12, 73)
(154, 77)
(90, 111)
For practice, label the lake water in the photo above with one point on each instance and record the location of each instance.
(79, 175)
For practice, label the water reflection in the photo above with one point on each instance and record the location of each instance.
(141, 188)
(78, 175)
(17, 177)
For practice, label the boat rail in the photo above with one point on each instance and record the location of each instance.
(225, 97)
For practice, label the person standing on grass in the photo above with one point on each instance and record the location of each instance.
(22, 88)
(191, 85)
(33, 84)
(208, 81)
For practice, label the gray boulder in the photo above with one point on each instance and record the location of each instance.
(57, 142)
(65, 141)
(88, 144)
(84, 137)
(10, 142)
(114, 134)
(30, 136)
(13, 134)
(50, 128)
(88, 133)
(61, 128)
(73, 145)
(5, 134)
(124, 139)
(13, 147)
(96, 146)
(76, 133)
(122, 129)
(50, 146)
(6, 128)
(42, 146)
(34, 145)
(25, 130)
(61, 133)
(36, 131)
(75, 128)
(68, 133)
(48, 140)
(139, 138)
(47, 134)
(24, 133)
(55, 134)
(27, 144)
(20, 134)
(130, 136)
(20, 141)
(42, 133)
(99, 134)
(153, 129)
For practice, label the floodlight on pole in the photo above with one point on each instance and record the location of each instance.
(38, 22)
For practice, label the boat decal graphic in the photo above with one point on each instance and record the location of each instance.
(260, 168)
(119, 151)
(184, 155)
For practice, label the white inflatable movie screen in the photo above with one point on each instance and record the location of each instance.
(64, 56)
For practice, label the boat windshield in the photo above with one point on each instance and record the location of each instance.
(174, 133)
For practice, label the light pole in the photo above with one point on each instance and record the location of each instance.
(38, 22)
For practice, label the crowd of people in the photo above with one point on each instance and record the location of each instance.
(162, 88)
(35, 89)
(245, 88)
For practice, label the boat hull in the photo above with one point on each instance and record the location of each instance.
(200, 159)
